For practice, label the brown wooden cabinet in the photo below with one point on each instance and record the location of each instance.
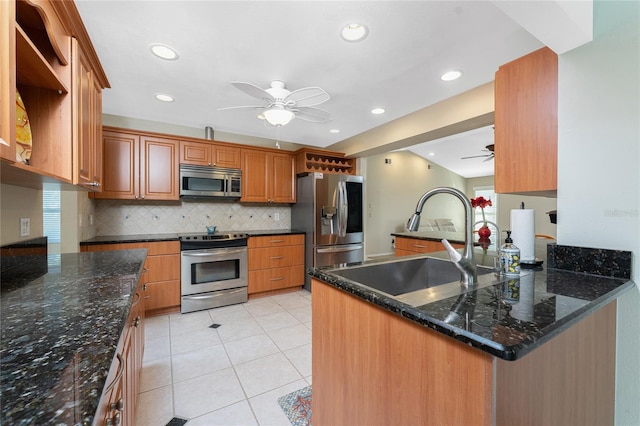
(409, 246)
(120, 395)
(526, 125)
(209, 154)
(268, 176)
(357, 346)
(139, 167)
(87, 130)
(275, 263)
(7, 81)
(161, 278)
(57, 83)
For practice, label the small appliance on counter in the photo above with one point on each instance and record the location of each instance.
(213, 270)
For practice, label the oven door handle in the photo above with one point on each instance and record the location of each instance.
(202, 253)
(202, 297)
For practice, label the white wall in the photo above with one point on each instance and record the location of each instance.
(393, 190)
(17, 202)
(599, 163)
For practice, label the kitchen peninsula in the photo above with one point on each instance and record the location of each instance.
(535, 350)
(64, 320)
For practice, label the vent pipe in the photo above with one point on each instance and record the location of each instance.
(208, 133)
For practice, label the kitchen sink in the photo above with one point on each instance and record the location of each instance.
(405, 276)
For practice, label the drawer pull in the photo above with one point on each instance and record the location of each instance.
(418, 246)
(276, 241)
(277, 279)
(276, 257)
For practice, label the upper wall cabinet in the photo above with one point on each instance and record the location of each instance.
(526, 125)
(268, 177)
(139, 167)
(209, 154)
(38, 62)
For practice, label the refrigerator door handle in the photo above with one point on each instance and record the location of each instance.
(337, 249)
(343, 209)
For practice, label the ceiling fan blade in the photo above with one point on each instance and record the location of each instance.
(475, 156)
(313, 115)
(489, 158)
(307, 97)
(243, 107)
(252, 90)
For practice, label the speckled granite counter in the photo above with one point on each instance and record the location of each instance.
(141, 238)
(508, 318)
(149, 238)
(60, 330)
(452, 237)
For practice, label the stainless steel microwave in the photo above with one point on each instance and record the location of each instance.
(214, 182)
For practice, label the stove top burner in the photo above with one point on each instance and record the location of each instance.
(211, 237)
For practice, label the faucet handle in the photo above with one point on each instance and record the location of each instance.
(453, 254)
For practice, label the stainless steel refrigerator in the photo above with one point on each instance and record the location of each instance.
(330, 210)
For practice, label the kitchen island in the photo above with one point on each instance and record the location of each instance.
(535, 350)
(62, 320)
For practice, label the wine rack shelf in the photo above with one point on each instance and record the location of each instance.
(324, 162)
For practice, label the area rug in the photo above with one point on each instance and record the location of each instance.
(297, 406)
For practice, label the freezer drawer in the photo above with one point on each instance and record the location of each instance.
(333, 255)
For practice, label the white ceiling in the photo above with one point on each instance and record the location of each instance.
(397, 67)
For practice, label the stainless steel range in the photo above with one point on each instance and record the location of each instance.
(213, 270)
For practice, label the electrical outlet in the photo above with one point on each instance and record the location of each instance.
(276, 216)
(25, 226)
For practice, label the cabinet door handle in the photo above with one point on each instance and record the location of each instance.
(118, 373)
(117, 405)
(277, 279)
(276, 257)
(142, 196)
(144, 287)
(136, 322)
(135, 302)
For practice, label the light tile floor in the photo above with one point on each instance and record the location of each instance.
(232, 375)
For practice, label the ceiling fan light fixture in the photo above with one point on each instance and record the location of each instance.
(278, 115)
(354, 32)
(451, 75)
(163, 51)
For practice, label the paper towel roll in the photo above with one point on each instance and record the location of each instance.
(523, 233)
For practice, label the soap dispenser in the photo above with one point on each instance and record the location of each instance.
(509, 257)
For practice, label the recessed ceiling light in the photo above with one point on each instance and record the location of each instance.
(163, 51)
(431, 154)
(377, 111)
(164, 98)
(334, 131)
(354, 32)
(451, 75)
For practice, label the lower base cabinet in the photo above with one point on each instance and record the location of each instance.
(409, 246)
(120, 396)
(275, 263)
(161, 278)
(372, 367)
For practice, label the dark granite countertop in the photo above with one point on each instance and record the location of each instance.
(508, 317)
(149, 238)
(141, 238)
(452, 237)
(60, 329)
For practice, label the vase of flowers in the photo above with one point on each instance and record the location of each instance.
(484, 231)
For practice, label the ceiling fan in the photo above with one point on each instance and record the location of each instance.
(490, 155)
(281, 105)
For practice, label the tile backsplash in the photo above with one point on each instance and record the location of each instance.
(125, 217)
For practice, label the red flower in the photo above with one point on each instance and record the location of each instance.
(480, 202)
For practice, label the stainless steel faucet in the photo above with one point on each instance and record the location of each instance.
(465, 262)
